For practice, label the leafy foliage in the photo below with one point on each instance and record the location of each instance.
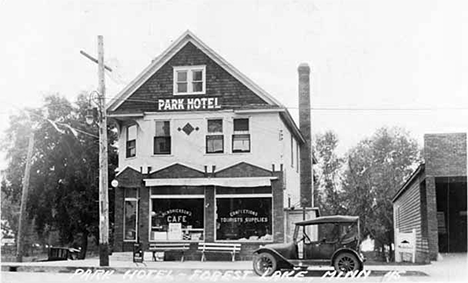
(328, 194)
(376, 168)
(364, 182)
(63, 193)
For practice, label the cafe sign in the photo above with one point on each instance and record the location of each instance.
(189, 103)
(176, 215)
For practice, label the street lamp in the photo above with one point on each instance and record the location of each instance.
(89, 116)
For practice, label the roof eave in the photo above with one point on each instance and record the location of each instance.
(405, 186)
(292, 125)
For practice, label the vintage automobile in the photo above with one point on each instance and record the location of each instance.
(338, 246)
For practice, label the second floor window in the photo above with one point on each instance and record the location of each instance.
(215, 137)
(189, 80)
(162, 138)
(131, 141)
(241, 136)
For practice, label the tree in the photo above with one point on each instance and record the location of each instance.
(64, 171)
(376, 168)
(328, 192)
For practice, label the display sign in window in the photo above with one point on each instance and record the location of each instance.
(177, 219)
(245, 219)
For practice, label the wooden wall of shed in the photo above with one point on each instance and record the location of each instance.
(407, 214)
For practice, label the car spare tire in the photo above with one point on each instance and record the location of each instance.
(264, 264)
(346, 262)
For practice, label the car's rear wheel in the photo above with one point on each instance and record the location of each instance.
(346, 262)
(264, 264)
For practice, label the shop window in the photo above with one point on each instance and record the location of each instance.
(189, 80)
(130, 214)
(177, 218)
(244, 216)
(131, 141)
(241, 136)
(162, 139)
(215, 137)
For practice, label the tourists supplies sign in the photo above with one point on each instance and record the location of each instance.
(244, 216)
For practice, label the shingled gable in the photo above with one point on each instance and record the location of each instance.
(156, 79)
(235, 90)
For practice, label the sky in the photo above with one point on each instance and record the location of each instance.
(373, 63)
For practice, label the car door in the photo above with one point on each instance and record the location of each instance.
(314, 249)
(327, 244)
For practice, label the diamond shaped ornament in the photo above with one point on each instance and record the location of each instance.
(188, 129)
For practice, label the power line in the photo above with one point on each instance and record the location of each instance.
(324, 108)
(446, 108)
(58, 123)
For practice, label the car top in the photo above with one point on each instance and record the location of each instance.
(329, 219)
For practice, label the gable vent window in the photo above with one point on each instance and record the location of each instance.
(131, 141)
(189, 80)
(162, 138)
(241, 136)
(215, 137)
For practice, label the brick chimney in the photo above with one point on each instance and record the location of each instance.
(305, 127)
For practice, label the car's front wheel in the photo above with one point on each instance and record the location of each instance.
(346, 262)
(264, 264)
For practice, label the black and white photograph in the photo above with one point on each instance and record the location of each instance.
(233, 141)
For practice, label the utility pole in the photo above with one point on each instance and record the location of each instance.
(23, 219)
(103, 165)
(103, 159)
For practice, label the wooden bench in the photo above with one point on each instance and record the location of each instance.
(168, 247)
(219, 248)
(58, 253)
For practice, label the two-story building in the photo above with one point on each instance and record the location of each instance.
(204, 154)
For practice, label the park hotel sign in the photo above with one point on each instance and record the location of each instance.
(189, 103)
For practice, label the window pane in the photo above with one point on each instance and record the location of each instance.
(130, 212)
(162, 145)
(244, 219)
(186, 214)
(162, 128)
(131, 148)
(181, 76)
(241, 125)
(131, 133)
(215, 126)
(330, 232)
(214, 144)
(241, 143)
(197, 86)
(181, 87)
(197, 75)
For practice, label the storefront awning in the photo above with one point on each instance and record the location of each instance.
(220, 182)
